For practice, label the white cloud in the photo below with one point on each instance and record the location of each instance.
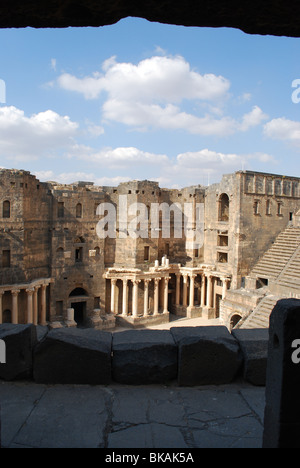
(283, 129)
(160, 79)
(190, 168)
(71, 177)
(117, 158)
(53, 64)
(253, 118)
(194, 167)
(26, 138)
(153, 93)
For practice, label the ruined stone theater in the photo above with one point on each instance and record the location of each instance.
(136, 255)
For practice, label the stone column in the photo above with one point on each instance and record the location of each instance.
(135, 297)
(113, 283)
(177, 301)
(184, 301)
(29, 305)
(1, 307)
(43, 305)
(156, 295)
(125, 298)
(192, 290)
(70, 322)
(166, 295)
(209, 291)
(15, 308)
(146, 296)
(225, 287)
(35, 306)
(203, 290)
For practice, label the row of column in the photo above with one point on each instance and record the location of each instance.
(206, 290)
(135, 283)
(32, 305)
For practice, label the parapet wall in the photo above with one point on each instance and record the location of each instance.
(187, 355)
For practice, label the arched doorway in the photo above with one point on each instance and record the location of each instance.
(78, 299)
(234, 320)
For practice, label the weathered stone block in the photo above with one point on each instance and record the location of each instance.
(73, 356)
(206, 355)
(254, 346)
(144, 357)
(282, 409)
(20, 341)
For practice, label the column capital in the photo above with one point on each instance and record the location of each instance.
(135, 281)
(15, 292)
(30, 290)
(114, 280)
(147, 281)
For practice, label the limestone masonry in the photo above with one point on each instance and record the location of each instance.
(238, 257)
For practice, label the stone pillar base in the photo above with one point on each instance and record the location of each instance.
(56, 324)
(136, 322)
(70, 323)
(102, 322)
(208, 312)
(179, 310)
(195, 311)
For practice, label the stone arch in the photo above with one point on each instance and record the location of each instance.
(224, 207)
(234, 320)
(6, 209)
(97, 251)
(79, 291)
(79, 240)
(79, 210)
(275, 18)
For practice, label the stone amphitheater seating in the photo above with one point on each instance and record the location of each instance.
(280, 266)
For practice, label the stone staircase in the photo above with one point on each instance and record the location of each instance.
(280, 265)
(290, 276)
(260, 316)
(277, 258)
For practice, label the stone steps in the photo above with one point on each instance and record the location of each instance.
(260, 316)
(281, 252)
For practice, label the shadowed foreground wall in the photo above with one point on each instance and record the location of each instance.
(257, 17)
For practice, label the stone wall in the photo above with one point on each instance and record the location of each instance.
(187, 356)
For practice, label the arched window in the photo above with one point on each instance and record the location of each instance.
(78, 292)
(97, 250)
(79, 240)
(60, 252)
(224, 207)
(79, 210)
(6, 209)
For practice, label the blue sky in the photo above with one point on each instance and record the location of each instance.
(141, 100)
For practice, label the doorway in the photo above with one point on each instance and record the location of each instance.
(79, 313)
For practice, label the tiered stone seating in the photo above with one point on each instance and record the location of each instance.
(276, 258)
(260, 316)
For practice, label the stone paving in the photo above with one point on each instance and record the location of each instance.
(121, 416)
